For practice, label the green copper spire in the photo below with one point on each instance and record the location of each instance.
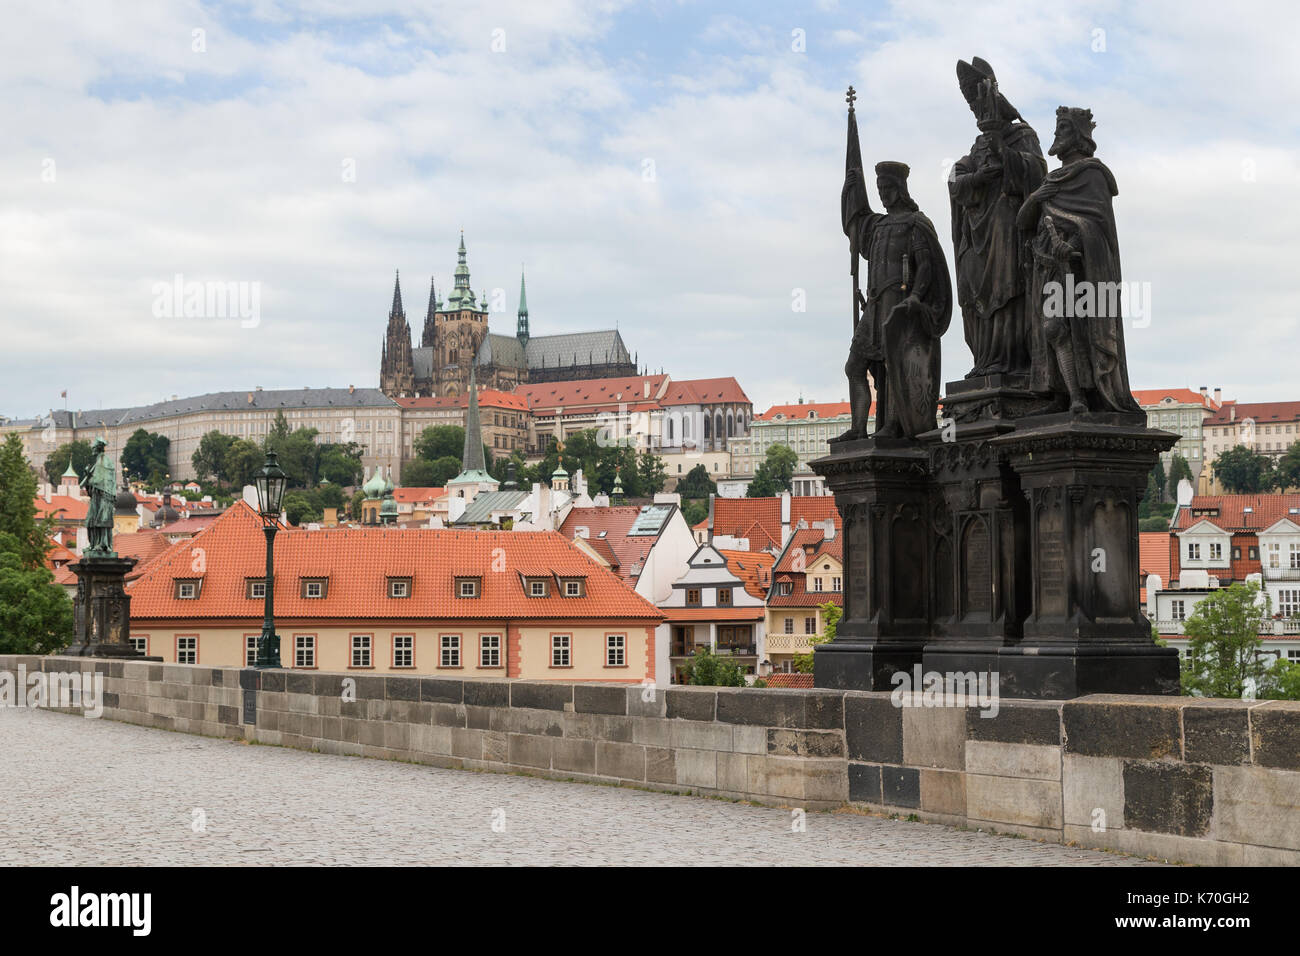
(472, 457)
(462, 296)
(521, 332)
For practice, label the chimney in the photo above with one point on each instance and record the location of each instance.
(352, 389)
(785, 517)
(1218, 396)
(829, 527)
(1232, 412)
(1205, 390)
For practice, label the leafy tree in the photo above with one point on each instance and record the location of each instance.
(1286, 472)
(340, 464)
(1158, 473)
(697, 483)
(35, 613)
(440, 441)
(711, 670)
(775, 473)
(243, 461)
(1153, 523)
(1224, 642)
(1178, 470)
(211, 458)
(694, 512)
(80, 453)
(651, 473)
(299, 507)
(1148, 497)
(354, 506)
(298, 454)
(419, 473)
(328, 496)
(145, 455)
(499, 468)
(1281, 681)
(831, 614)
(1242, 471)
(18, 505)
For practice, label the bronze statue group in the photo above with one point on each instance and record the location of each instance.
(1020, 235)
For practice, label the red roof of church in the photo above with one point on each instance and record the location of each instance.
(1147, 397)
(802, 410)
(705, 391)
(1260, 412)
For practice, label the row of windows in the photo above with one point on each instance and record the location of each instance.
(1273, 561)
(402, 650)
(318, 588)
(809, 625)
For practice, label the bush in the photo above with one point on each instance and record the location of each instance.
(710, 670)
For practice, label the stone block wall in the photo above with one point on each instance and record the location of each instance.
(1201, 781)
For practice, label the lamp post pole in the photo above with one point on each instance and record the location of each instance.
(270, 483)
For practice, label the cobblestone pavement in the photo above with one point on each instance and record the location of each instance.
(96, 792)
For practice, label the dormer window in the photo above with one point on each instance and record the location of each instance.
(573, 587)
(187, 589)
(537, 587)
(785, 587)
(467, 587)
(692, 597)
(255, 589)
(399, 587)
(314, 587)
(724, 597)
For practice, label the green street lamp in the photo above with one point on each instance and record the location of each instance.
(270, 482)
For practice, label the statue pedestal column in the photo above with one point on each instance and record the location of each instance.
(881, 491)
(1082, 477)
(102, 608)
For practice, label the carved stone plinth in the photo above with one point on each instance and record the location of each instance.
(1081, 478)
(882, 493)
(997, 398)
(102, 608)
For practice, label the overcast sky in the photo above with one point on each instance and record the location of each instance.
(671, 168)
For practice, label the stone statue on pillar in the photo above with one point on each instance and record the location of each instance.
(987, 188)
(100, 486)
(907, 307)
(1077, 327)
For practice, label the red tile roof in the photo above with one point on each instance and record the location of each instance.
(357, 563)
(1235, 412)
(615, 522)
(72, 509)
(487, 398)
(789, 680)
(414, 495)
(715, 613)
(1147, 397)
(705, 391)
(586, 393)
(746, 517)
(1153, 558)
(754, 568)
(191, 525)
(823, 410)
(1266, 510)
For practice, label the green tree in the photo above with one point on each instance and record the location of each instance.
(1243, 472)
(145, 455)
(697, 483)
(694, 511)
(80, 453)
(1281, 681)
(711, 670)
(440, 441)
(298, 454)
(340, 464)
(774, 473)
(1178, 470)
(831, 613)
(328, 495)
(354, 506)
(35, 613)
(1286, 473)
(1224, 643)
(1149, 497)
(651, 473)
(1153, 523)
(299, 507)
(1158, 473)
(211, 457)
(419, 473)
(499, 468)
(18, 505)
(243, 461)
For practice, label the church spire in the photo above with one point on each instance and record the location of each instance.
(430, 325)
(397, 296)
(521, 332)
(396, 365)
(472, 456)
(462, 296)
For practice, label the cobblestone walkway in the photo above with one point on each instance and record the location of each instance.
(95, 792)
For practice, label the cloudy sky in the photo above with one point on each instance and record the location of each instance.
(672, 168)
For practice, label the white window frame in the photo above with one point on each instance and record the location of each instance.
(304, 650)
(253, 590)
(537, 588)
(573, 589)
(1216, 551)
(449, 650)
(1178, 609)
(186, 590)
(561, 650)
(183, 652)
(250, 649)
(489, 650)
(403, 650)
(319, 587)
(362, 650)
(615, 650)
(468, 588)
(836, 584)
(1193, 551)
(140, 644)
(402, 586)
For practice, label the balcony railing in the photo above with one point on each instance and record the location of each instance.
(785, 643)
(1282, 574)
(1268, 628)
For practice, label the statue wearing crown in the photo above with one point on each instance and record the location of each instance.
(1077, 329)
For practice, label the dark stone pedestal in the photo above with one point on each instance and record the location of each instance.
(881, 491)
(102, 608)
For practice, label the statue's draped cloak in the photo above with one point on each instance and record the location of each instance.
(1078, 198)
(101, 482)
(990, 280)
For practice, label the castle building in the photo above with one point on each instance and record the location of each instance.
(456, 335)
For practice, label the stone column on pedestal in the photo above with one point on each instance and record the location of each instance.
(102, 608)
(881, 491)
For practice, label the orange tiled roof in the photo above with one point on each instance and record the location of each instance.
(615, 522)
(357, 563)
(1231, 413)
(487, 398)
(739, 516)
(73, 509)
(754, 568)
(144, 546)
(1153, 558)
(789, 680)
(418, 494)
(705, 391)
(605, 392)
(812, 542)
(823, 410)
(1265, 510)
(1146, 397)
